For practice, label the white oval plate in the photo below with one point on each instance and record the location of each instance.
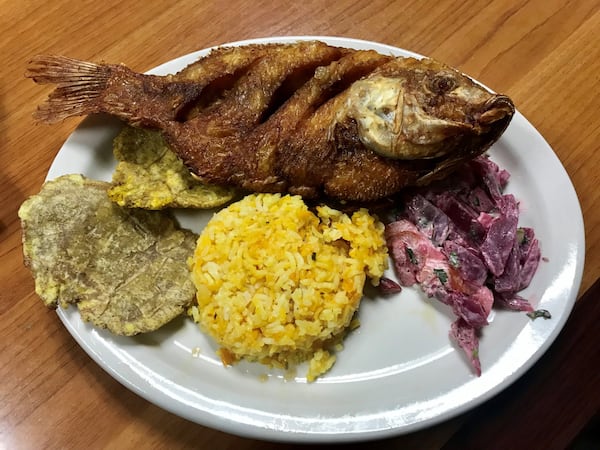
(399, 372)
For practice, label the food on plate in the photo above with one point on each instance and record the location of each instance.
(126, 269)
(305, 118)
(274, 280)
(459, 239)
(280, 284)
(150, 176)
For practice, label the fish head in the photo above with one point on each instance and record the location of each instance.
(413, 109)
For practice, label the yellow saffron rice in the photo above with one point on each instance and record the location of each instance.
(279, 284)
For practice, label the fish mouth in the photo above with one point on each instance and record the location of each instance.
(497, 108)
(490, 122)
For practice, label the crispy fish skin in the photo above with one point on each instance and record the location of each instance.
(408, 122)
(126, 269)
(150, 176)
(304, 118)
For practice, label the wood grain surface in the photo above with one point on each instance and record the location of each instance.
(545, 54)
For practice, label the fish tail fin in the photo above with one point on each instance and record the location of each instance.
(79, 86)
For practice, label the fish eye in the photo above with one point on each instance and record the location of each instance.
(442, 84)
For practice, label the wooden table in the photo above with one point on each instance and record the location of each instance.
(544, 54)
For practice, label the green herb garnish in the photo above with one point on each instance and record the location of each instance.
(539, 313)
(441, 274)
(521, 236)
(453, 259)
(411, 256)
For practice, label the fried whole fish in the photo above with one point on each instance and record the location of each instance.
(305, 118)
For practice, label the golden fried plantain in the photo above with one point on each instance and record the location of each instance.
(150, 176)
(126, 269)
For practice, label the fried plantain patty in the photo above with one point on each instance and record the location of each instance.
(150, 176)
(126, 269)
